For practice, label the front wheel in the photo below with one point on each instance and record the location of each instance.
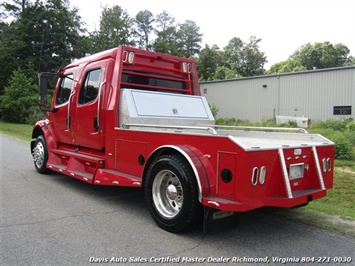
(171, 193)
(40, 155)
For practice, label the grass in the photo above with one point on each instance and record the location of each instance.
(341, 199)
(19, 131)
(336, 211)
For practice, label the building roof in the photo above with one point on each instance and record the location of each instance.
(283, 74)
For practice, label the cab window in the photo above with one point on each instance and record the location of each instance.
(65, 89)
(90, 87)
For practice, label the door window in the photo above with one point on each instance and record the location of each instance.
(64, 90)
(90, 86)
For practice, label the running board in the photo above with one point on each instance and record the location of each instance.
(74, 164)
(114, 178)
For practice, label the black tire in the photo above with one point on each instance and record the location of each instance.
(171, 192)
(40, 155)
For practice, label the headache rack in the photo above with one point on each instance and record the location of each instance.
(157, 72)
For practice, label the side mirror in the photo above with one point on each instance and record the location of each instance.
(43, 87)
(43, 84)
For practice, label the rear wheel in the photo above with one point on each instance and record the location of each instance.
(40, 155)
(172, 194)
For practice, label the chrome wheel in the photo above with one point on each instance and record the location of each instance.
(38, 155)
(167, 194)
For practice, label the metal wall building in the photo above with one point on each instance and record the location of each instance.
(317, 94)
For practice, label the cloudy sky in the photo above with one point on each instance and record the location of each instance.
(283, 25)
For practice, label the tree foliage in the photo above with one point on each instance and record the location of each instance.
(45, 34)
(190, 38)
(167, 40)
(144, 23)
(18, 98)
(208, 61)
(290, 65)
(315, 56)
(115, 28)
(245, 58)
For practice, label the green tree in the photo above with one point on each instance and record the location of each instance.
(115, 28)
(44, 34)
(314, 56)
(164, 21)
(209, 59)
(322, 55)
(8, 61)
(223, 72)
(168, 38)
(290, 65)
(190, 38)
(144, 23)
(245, 58)
(18, 98)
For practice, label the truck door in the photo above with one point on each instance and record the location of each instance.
(87, 127)
(60, 118)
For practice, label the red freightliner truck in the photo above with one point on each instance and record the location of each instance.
(136, 118)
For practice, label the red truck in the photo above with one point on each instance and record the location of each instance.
(136, 118)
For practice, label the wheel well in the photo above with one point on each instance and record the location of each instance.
(171, 150)
(37, 131)
(156, 154)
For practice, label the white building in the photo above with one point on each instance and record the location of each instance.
(318, 94)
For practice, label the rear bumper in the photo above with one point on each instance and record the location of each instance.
(298, 198)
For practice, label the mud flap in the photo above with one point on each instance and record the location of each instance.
(216, 221)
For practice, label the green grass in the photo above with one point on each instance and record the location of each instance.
(340, 200)
(19, 131)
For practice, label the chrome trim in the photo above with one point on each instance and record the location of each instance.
(301, 130)
(130, 57)
(329, 164)
(319, 172)
(69, 103)
(98, 104)
(125, 56)
(262, 175)
(285, 174)
(324, 164)
(209, 129)
(254, 176)
(215, 204)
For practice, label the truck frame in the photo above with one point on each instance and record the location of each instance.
(136, 118)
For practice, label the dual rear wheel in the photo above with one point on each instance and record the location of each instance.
(171, 193)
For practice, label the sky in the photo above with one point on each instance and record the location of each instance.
(282, 25)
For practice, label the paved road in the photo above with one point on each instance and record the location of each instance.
(57, 220)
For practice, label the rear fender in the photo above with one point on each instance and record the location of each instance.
(194, 157)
